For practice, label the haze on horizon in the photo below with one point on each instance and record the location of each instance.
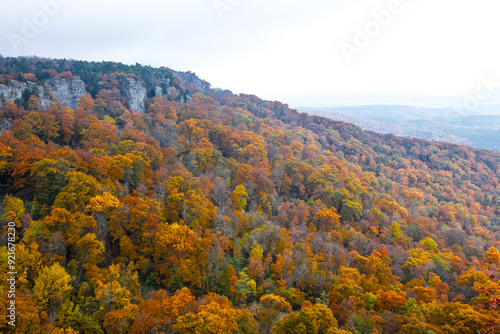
(314, 53)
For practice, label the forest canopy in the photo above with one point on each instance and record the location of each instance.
(226, 213)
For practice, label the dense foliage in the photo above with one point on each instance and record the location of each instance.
(230, 214)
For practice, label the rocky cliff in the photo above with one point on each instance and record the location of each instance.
(67, 91)
(135, 92)
(67, 81)
(15, 90)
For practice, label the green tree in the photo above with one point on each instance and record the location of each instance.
(49, 176)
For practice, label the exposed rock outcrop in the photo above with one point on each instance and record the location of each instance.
(12, 91)
(67, 91)
(15, 90)
(135, 92)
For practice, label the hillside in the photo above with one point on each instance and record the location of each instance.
(210, 212)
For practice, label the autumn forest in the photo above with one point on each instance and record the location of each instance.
(212, 212)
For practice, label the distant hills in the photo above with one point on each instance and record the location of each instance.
(437, 124)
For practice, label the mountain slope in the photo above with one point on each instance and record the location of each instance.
(210, 205)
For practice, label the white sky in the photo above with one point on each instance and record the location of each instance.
(284, 50)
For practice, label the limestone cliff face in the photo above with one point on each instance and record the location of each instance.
(67, 91)
(135, 92)
(15, 89)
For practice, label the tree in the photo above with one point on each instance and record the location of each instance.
(111, 296)
(134, 225)
(493, 256)
(34, 103)
(100, 134)
(67, 75)
(5, 157)
(216, 317)
(51, 287)
(13, 210)
(87, 103)
(50, 177)
(351, 210)
(429, 243)
(239, 196)
(346, 295)
(101, 207)
(67, 121)
(89, 253)
(159, 312)
(455, 318)
(78, 191)
(255, 264)
(272, 307)
(180, 255)
(29, 317)
(44, 125)
(326, 219)
(317, 319)
(120, 321)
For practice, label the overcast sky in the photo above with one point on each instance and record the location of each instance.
(314, 52)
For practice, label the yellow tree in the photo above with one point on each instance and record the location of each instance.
(77, 193)
(179, 255)
(101, 207)
(255, 265)
(51, 287)
(28, 264)
(493, 256)
(317, 319)
(120, 321)
(239, 197)
(271, 308)
(216, 317)
(326, 219)
(13, 210)
(5, 157)
(346, 294)
(89, 253)
(197, 210)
